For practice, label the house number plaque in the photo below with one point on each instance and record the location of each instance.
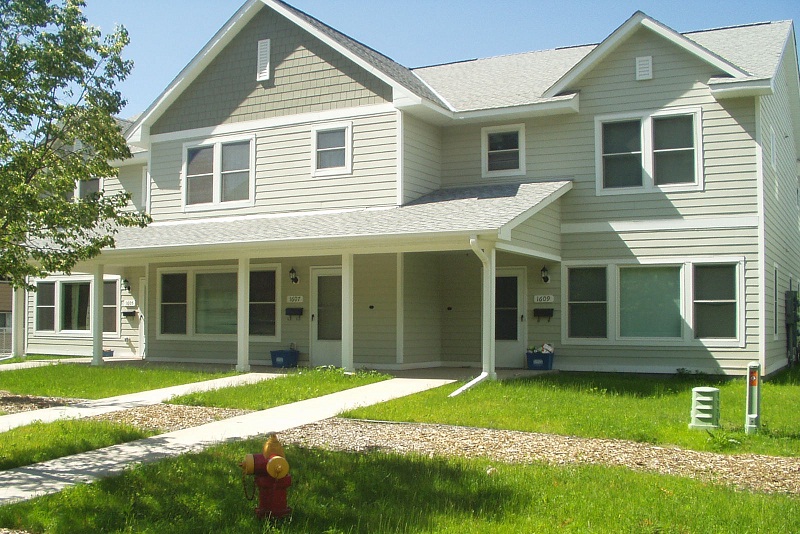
(294, 299)
(544, 299)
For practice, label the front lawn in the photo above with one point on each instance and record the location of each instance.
(374, 492)
(651, 409)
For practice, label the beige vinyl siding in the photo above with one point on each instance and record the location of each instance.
(284, 179)
(423, 309)
(375, 309)
(422, 158)
(542, 232)
(307, 76)
(460, 280)
(128, 180)
(781, 212)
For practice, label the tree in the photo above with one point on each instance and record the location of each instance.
(58, 104)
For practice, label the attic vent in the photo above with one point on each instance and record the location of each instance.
(262, 73)
(644, 68)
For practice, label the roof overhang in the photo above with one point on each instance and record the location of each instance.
(637, 21)
(737, 88)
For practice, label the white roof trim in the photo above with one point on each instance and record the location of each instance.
(505, 230)
(736, 88)
(638, 20)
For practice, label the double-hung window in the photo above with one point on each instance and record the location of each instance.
(332, 149)
(503, 150)
(587, 303)
(200, 302)
(64, 306)
(219, 173)
(642, 152)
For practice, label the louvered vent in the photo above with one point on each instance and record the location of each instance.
(263, 60)
(644, 68)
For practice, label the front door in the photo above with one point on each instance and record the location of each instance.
(510, 324)
(326, 316)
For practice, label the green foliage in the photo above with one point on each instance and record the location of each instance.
(39, 441)
(648, 409)
(299, 384)
(57, 105)
(87, 382)
(376, 492)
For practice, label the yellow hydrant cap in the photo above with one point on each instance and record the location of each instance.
(277, 467)
(273, 447)
(249, 464)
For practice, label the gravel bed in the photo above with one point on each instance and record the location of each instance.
(753, 472)
(169, 417)
(11, 403)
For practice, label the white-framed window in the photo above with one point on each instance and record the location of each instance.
(84, 188)
(332, 149)
(648, 151)
(503, 150)
(693, 301)
(202, 302)
(64, 306)
(219, 173)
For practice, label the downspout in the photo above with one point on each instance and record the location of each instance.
(488, 367)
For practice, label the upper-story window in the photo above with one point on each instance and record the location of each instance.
(503, 150)
(219, 173)
(642, 152)
(84, 188)
(332, 150)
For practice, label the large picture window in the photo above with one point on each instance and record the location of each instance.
(205, 302)
(218, 173)
(65, 306)
(648, 151)
(587, 303)
(650, 302)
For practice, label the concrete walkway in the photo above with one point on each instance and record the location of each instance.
(50, 477)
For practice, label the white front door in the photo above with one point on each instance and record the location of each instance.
(326, 316)
(510, 324)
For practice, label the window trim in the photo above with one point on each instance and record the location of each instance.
(316, 129)
(191, 302)
(505, 128)
(59, 282)
(216, 174)
(687, 303)
(647, 148)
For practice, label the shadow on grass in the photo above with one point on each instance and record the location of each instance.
(331, 492)
(634, 385)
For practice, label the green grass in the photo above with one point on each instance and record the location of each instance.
(297, 385)
(88, 382)
(650, 409)
(39, 442)
(34, 357)
(337, 492)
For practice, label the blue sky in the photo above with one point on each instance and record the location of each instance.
(166, 34)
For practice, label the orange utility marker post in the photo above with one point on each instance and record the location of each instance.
(271, 475)
(752, 419)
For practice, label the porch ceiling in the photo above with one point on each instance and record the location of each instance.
(489, 211)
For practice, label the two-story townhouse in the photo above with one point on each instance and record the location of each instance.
(633, 203)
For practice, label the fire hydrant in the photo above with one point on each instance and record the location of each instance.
(271, 474)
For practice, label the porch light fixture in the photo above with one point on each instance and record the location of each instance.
(126, 285)
(293, 276)
(545, 275)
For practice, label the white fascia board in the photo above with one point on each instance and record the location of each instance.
(621, 34)
(137, 158)
(738, 88)
(139, 134)
(505, 231)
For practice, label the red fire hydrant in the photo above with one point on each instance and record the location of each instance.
(271, 474)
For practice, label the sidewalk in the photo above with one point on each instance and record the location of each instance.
(50, 477)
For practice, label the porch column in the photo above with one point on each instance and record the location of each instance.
(347, 312)
(18, 313)
(487, 254)
(243, 316)
(97, 315)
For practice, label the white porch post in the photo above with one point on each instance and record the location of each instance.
(243, 316)
(18, 314)
(488, 256)
(347, 312)
(97, 315)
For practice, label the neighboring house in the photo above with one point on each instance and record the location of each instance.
(633, 203)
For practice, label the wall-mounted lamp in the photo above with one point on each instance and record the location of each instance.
(126, 285)
(293, 276)
(545, 275)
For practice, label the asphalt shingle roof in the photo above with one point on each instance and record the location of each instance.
(459, 210)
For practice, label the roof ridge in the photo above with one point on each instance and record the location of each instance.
(498, 56)
(735, 26)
